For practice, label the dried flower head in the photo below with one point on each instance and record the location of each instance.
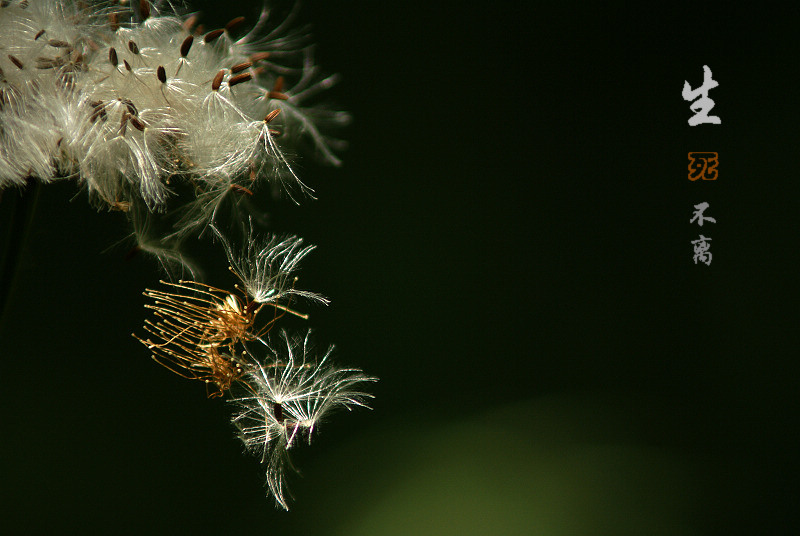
(197, 328)
(287, 395)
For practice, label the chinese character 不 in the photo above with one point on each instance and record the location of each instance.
(704, 164)
(698, 215)
(702, 105)
(701, 250)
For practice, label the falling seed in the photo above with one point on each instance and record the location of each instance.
(212, 35)
(217, 80)
(241, 67)
(133, 47)
(112, 56)
(144, 9)
(186, 45)
(162, 74)
(239, 78)
(234, 23)
(38, 35)
(127, 65)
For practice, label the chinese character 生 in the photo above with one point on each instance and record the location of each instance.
(703, 104)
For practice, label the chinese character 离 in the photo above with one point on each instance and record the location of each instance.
(701, 250)
(702, 104)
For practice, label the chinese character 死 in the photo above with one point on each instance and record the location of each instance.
(703, 164)
(703, 104)
(701, 250)
(698, 215)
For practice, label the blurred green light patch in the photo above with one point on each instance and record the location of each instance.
(547, 467)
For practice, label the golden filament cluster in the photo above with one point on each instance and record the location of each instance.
(197, 330)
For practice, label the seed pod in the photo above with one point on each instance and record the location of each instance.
(136, 122)
(131, 108)
(234, 23)
(217, 80)
(272, 115)
(259, 56)
(186, 45)
(241, 67)
(239, 78)
(211, 36)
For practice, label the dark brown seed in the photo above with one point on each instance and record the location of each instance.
(272, 115)
(112, 56)
(277, 411)
(259, 56)
(131, 108)
(123, 127)
(136, 122)
(144, 9)
(133, 47)
(99, 111)
(217, 80)
(45, 63)
(162, 74)
(234, 23)
(241, 67)
(15, 61)
(239, 78)
(277, 95)
(38, 35)
(113, 21)
(5, 3)
(57, 43)
(186, 45)
(211, 36)
(127, 65)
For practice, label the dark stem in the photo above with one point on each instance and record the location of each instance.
(22, 210)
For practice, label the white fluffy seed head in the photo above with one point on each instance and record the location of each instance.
(287, 395)
(267, 266)
(128, 107)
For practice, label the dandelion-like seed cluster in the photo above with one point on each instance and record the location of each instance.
(155, 117)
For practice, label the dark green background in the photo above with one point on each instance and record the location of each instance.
(508, 248)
